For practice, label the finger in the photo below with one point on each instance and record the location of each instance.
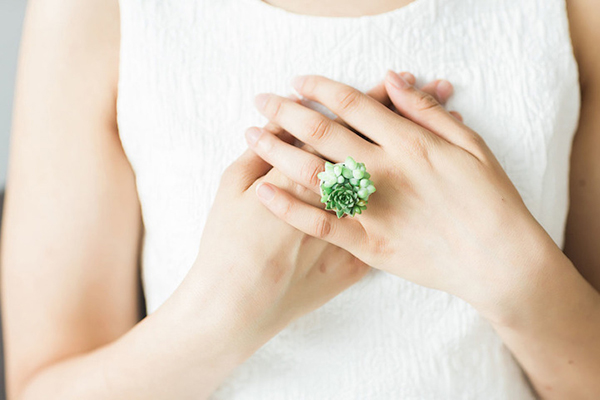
(345, 232)
(246, 169)
(297, 164)
(362, 112)
(440, 89)
(425, 110)
(379, 94)
(311, 127)
(456, 115)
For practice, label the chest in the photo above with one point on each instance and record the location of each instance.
(189, 77)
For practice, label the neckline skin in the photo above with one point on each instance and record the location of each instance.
(278, 11)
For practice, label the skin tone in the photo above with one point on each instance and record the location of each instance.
(445, 216)
(67, 338)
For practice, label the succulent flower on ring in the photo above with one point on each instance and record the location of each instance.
(345, 187)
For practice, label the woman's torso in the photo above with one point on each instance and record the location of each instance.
(188, 75)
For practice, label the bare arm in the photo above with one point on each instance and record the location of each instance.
(583, 227)
(72, 229)
(556, 338)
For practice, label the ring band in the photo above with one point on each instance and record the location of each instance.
(345, 187)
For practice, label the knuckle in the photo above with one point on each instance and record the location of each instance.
(477, 146)
(419, 148)
(476, 141)
(348, 99)
(319, 129)
(229, 173)
(425, 101)
(273, 106)
(310, 171)
(285, 209)
(309, 84)
(380, 247)
(322, 227)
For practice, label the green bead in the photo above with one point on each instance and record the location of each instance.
(362, 203)
(362, 193)
(364, 182)
(350, 163)
(329, 183)
(328, 166)
(340, 179)
(358, 173)
(337, 170)
(347, 173)
(371, 189)
(322, 175)
(367, 175)
(354, 181)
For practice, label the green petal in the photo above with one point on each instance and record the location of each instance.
(358, 173)
(328, 166)
(347, 173)
(350, 163)
(339, 213)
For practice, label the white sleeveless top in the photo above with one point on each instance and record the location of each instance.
(188, 75)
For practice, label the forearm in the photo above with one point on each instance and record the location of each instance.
(174, 353)
(555, 333)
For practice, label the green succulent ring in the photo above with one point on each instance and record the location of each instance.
(345, 187)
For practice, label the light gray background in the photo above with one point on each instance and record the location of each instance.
(11, 19)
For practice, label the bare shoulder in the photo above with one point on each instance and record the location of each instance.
(584, 23)
(75, 34)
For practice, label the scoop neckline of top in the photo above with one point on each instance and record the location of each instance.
(282, 11)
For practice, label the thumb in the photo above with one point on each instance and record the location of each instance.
(249, 166)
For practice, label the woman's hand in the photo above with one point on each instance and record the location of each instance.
(255, 268)
(445, 214)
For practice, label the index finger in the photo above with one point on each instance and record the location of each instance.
(367, 115)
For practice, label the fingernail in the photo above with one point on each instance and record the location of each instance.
(265, 192)
(260, 100)
(298, 81)
(397, 80)
(252, 135)
(408, 77)
(443, 89)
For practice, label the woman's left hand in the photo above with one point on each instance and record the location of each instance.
(445, 214)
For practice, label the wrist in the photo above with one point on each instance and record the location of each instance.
(547, 288)
(531, 268)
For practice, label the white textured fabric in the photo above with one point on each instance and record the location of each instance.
(188, 75)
